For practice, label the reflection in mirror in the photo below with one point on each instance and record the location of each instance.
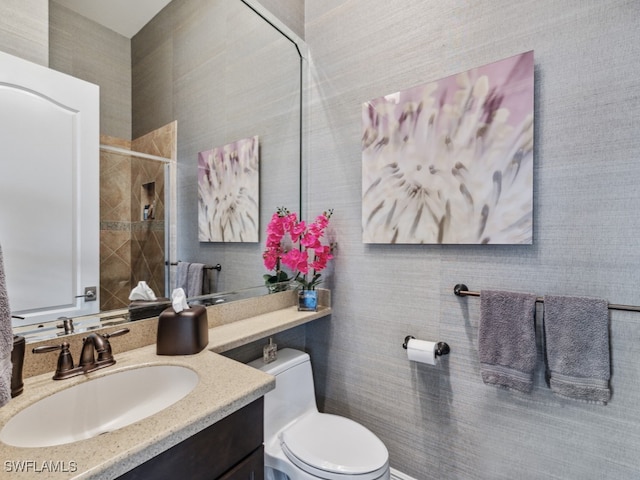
(48, 191)
(235, 76)
(221, 71)
(45, 331)
(134, 189)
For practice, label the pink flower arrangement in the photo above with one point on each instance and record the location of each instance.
(310, 257)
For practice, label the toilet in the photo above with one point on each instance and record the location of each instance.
(303, 444)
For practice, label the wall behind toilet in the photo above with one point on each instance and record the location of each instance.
(444, 422)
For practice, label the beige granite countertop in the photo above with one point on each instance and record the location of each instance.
(232, 335)
(224, 387)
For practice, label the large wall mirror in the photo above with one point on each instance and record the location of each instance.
(218, 72)
(224, 74)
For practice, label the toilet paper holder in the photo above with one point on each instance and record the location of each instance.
(441, 347)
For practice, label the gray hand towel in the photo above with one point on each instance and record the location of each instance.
(6, 339)
(576, 331)
(507, 339)
(194, 280)
(182, 275)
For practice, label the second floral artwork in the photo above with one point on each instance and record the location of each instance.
(452, 161)
(229, 192)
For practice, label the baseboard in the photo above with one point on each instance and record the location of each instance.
(396, 475)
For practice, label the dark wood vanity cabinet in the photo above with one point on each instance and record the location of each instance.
(230, 449)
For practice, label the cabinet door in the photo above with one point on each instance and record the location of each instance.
(233, 442)
(251, 468)
(49, 190)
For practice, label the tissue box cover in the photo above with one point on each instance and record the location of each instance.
(183, 333)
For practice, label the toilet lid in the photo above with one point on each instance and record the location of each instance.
(333, 447)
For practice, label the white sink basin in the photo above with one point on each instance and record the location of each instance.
(99, 406)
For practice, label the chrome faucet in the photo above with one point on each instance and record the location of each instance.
(92, 344)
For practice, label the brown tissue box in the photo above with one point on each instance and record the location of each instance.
(183, 333)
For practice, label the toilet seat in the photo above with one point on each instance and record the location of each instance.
(334, 448)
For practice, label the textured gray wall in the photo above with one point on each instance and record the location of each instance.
(223, 74)
(444, 422)
(290, 12)
(24, 29)
(87, 50)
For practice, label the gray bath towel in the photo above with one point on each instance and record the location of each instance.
(576, 331)
(507, 339)
(6, 339)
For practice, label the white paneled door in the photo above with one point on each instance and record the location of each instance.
(49, 190)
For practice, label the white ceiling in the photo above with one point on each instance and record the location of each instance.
(125, 17)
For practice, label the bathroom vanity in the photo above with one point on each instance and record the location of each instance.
(225, 389)
(214, 432)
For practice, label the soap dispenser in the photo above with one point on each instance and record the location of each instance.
(269, 352)
(17, 360)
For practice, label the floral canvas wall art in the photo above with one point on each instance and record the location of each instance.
(452, 161)
(228, 192)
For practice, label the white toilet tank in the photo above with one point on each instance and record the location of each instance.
(294, 393)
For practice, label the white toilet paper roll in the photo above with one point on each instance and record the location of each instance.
(422, 351)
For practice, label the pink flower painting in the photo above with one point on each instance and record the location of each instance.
(228, 192)
(452, 161)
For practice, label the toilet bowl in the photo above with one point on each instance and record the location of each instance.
(303, 444)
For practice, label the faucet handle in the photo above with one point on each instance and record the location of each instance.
(48, 348)
(65, 368)
(106, 356)
(117, 333)
(67, 324)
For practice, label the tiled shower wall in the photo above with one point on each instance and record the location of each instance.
(131, 248)
(163, 142)
(115, 227)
